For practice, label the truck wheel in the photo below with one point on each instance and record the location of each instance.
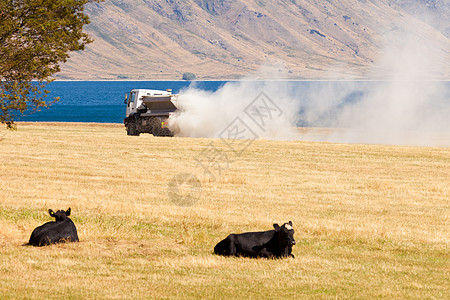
(165, 132)
(131, 128)
(157, 130)
(156, 126)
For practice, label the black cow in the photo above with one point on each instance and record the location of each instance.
(61, 230)
(272, 244)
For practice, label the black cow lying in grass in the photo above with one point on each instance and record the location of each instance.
(272, 244)
(61, 230)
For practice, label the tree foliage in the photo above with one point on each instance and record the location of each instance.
(189, 76)
(35, 38)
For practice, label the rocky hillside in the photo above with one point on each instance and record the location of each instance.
(215, 39)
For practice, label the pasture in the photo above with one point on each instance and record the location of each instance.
(371, 221)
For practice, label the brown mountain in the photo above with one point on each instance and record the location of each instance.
(162, 39)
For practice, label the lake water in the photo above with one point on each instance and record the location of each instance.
(319, 101)
(100, 101)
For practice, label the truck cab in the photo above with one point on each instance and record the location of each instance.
(148, 111)
(135, 98)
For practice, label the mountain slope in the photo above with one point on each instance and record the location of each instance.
(162, 39)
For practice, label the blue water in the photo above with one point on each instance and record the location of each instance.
(102, 101)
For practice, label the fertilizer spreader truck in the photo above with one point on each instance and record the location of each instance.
(148, 111)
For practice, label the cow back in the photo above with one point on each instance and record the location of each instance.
(54, 232)
(271, 244)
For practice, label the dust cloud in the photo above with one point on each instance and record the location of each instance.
(232, 106)
(407, 104)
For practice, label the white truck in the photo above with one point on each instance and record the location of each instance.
(148, 111)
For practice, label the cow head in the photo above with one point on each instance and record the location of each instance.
(285, 234)
(60, 215)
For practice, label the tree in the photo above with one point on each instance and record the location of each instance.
(35, 38)
(189, 76)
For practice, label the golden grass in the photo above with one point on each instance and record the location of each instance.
(371, 221)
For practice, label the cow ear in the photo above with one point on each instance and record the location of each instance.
(68, 212)
(51, 212)
(276, 226)
(290, 223)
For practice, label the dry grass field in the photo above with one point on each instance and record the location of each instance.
(371, 221)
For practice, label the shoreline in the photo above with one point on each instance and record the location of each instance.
(249, 80)
(433, 139)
